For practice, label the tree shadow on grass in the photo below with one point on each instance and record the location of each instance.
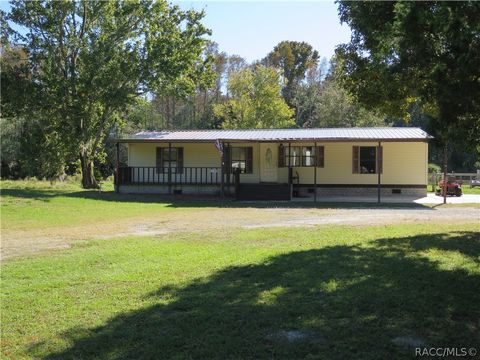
(35, 194)
(200, 201)
(338, 302)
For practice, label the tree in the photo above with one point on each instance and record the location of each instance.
(335, 108)
(294, 59)
(422, 53)
(320, 101)
(255, 101)
(326, 104)
(27, 149)
(196, 110)
(90, 60)
(235, 63)
(426, 53)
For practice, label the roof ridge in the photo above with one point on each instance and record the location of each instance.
(285, 129)
(364, 133)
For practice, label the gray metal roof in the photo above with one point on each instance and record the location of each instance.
(326, 134)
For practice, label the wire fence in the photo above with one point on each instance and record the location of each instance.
(470, 179)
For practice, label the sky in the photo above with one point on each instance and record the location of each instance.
(251, 29)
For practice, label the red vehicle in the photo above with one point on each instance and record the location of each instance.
(453, 188)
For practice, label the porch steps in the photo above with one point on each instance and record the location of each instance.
(263, 192)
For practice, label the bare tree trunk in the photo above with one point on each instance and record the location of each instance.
(88, 176)
(194, 108)
(174, 110)
(205, 95)
(168, 112)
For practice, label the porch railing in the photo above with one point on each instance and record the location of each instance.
(151, 175)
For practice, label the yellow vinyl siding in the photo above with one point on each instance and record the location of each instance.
(194, 155)
(404, 163)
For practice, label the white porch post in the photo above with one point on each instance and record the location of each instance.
(290, 184)
(315, 162)
(379, 185)
(170, 168)
(222, 172)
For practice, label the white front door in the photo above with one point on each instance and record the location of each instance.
(268, 162)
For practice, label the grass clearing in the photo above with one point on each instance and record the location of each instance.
(329, 291)
(41, 205)
(467, 189)
(39, 217)
(236, 294)
(27, 205)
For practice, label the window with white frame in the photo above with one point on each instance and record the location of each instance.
(241, 159)
(301, 156)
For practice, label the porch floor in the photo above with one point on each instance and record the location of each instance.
(431, 198)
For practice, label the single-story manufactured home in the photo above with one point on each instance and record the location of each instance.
(274, 164)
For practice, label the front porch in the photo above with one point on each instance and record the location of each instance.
(195, 180)
(273, 170)
(245, 171)
(174, 180)
(151, 175)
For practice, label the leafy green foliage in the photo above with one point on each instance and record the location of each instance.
(28, 147)
(434, 168)
(89, 60)
(427, 53)
(255, 101)
(326, 104)
(174, 111)
(294, 59)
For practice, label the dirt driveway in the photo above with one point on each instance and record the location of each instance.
(25, 243)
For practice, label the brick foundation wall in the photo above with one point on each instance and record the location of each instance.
(163, 189)
(386, 190)
(365, 191)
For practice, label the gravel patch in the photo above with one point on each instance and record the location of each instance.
(375, 217)
(32, 241)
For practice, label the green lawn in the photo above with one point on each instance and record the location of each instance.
(329, 292)
(469, 190)
(36, 204)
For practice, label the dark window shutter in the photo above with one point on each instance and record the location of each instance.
(380, 159)
(281, 156)
(180, 160)
(158, 160)
(320, 156)
(249, 162)
(355, 160)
